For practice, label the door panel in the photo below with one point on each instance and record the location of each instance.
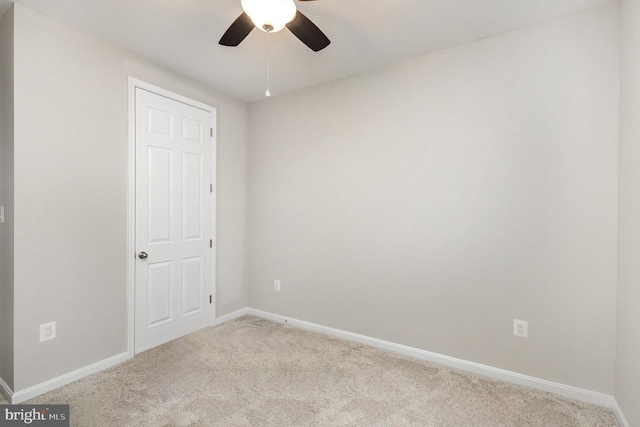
(159, 194)
(192, 196)
(173, 225)
(192, 285)
(159, 293)
(192, 131)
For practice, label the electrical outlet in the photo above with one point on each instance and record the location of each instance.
(47, 331)
(276, 285)
(520, 328)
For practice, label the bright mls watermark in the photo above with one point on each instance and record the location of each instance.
(34, 415)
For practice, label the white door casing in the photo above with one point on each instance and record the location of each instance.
(174, 204)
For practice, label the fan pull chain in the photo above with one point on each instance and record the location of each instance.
(268, 92)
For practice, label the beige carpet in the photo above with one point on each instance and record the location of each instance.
(253, 372)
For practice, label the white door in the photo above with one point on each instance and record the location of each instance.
(173, 237)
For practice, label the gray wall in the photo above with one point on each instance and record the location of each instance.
(71, 192)
(432, 202)
(628, 344)
(428, 203)
(6, 197)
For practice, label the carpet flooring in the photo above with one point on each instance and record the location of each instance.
(254, 372)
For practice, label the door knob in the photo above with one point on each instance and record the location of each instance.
(143, 255)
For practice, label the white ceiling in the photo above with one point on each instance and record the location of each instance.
(365, 34)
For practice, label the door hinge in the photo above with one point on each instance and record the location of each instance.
(210, 188)
(211, 132)
(210, 299)
(211, 243)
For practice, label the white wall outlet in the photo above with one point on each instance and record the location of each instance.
(276, 285)
(47, 331)
(520, 328)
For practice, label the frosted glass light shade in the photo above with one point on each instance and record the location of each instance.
(270, 15)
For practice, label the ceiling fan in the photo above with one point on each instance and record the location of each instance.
(271, 16)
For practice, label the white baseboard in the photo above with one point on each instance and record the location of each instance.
(6, 390)
(489, 371)
(31, 392)
(231, 316)
(621, 418)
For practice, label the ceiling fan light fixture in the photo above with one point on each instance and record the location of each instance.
(270, 15)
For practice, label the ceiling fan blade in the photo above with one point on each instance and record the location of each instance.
(237, 31)
(308, 32)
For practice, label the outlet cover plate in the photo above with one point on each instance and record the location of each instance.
(520, 328)
(47, 331)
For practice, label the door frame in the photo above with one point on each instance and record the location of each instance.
(131, 202)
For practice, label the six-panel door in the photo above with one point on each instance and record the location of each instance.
(173, 175)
